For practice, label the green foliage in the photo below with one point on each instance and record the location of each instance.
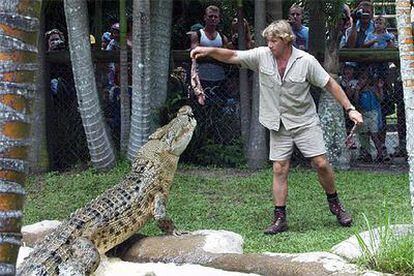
(239, 201)
(225, 155)
(55, 195)
(395, 254)
(176, 95)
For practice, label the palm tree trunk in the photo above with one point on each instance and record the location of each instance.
(100, 148)
(317, 29)
(257, 149)
(123, 71)
(245, 107)
(406, 47)
(140, 117)
(330, 111)
(38, 156)
(160, 56)
(19, 22)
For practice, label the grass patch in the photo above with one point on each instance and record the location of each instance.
(217, 199)
(397, 256)
(385, 251)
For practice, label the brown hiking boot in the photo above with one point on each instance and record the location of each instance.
(343, 217)
(278, 225)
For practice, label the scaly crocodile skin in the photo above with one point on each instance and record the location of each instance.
(74, 247)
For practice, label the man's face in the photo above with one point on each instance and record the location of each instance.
(295, 16)
(276, 45)
(212, 18)
(55, 42)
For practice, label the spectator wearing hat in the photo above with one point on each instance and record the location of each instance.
(55, 40)
(192, 32)
(114, 43)
(194, 28)
(106, 38)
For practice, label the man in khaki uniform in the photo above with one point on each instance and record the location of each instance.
(288, 111)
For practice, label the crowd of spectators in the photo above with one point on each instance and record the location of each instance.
(370, 86)
(375, 89)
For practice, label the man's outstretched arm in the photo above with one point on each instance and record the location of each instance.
(220, 54)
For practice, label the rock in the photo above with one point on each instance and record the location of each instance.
(221, 241)
(220, 251)
(350, 249)
(115, 266)
(198, 247)
(314, 263)
(194, 249)
(37, 231)
(23, 253)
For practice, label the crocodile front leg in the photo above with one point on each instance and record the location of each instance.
(160, 215)
(84, 260)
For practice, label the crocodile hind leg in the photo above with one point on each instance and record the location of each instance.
(160, 215)
(84, 261)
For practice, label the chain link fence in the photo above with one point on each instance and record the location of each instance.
(217, 140)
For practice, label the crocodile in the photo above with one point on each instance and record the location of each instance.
(74, 247)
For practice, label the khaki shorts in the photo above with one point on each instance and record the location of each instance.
(308, 139)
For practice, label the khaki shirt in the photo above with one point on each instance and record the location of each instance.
(285, 99)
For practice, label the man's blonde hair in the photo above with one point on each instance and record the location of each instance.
(281, 29)
(212, 8)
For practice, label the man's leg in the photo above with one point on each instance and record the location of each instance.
(327, 181)
(280, 192)
(325, 173)
(280, 182)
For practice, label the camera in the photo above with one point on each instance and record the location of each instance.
(358, 14)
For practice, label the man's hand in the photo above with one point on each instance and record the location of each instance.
(219, 54)
(356, 117)
(198, 52)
